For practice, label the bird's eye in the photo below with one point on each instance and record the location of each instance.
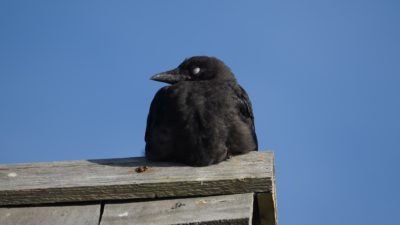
(196, 70)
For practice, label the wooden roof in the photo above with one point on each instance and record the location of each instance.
(135, 191)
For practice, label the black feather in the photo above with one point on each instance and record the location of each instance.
(202, 118)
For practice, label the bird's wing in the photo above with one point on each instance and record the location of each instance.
(246, 109)
(244, 104)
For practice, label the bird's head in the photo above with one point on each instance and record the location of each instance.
(196, 68)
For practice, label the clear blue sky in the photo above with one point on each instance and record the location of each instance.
(323, 76)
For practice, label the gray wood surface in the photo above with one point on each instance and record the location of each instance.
(111, 179)
(51, 215)
(226, 209)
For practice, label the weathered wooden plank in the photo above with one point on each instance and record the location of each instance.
(266, 209)
(266, 206)
(112, 179)
(54, 215)
(216, 210)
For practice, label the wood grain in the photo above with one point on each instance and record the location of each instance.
(216, 210)
(112, 179)
(51, 215)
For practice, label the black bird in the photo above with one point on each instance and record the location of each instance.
(202, 118)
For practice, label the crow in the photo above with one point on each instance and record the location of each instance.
(203, 117)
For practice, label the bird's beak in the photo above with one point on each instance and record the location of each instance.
(170, 77)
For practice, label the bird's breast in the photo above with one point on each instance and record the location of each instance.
(201, 104)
